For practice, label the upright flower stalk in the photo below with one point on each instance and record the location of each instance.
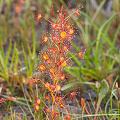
(54, 59)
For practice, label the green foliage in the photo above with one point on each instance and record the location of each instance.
(8, 67)
(98, 33)
(103, 90)
(4, 60)
(29, 62)
(75, 84)
(100, 60)
(113, 102)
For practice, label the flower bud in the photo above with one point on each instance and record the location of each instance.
(38, 101)
(37, 107)
(68, 117)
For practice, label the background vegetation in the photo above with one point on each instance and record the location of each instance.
(97, 34)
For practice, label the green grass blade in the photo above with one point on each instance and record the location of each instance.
(76, 83)
(29, 50)
(9, 52)
(1, 48)
(98, 38)
(33, 34)
(2, 60)
(102, 27)
(103, 90)
(111, 92)
(74, 58)
(25, 60)
(75, 46)
(16, 60)
(83, 79)
(116, 35)
(71, 72)
(87, 57)
(98, 10)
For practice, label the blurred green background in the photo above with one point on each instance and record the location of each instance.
(98, 34)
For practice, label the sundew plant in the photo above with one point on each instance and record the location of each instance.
(54, 59)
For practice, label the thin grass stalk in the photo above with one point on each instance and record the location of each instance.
(98, 10)
(98, 38)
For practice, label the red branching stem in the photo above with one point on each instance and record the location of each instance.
(47, 20)
(53, 12)
(71, 15)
